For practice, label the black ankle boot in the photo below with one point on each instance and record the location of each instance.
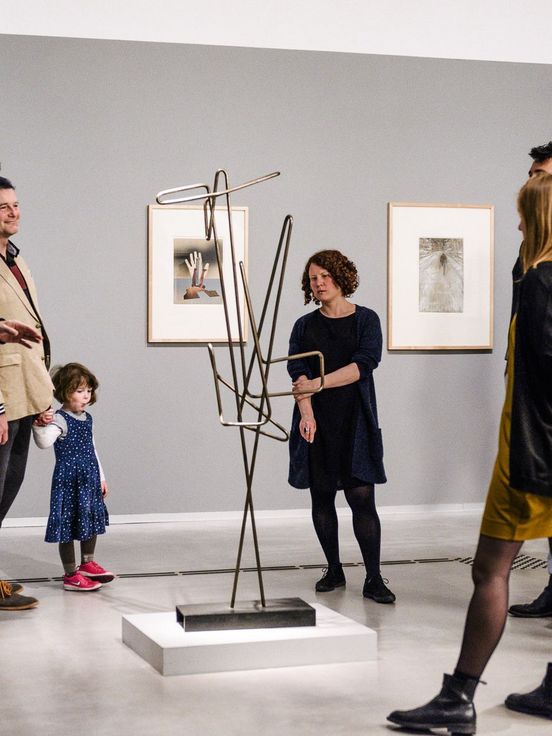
(332, 578)
(452, 709)
(541, 607)
(538, 702)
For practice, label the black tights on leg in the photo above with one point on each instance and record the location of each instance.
(366, 525)
(324, 518)
(488, 607)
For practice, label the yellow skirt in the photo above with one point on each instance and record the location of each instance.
(509, 514)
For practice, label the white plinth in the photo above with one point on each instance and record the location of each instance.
(164, 644)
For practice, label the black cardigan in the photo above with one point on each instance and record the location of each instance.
(531, 432)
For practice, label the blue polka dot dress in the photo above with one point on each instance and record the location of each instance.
(77, 508)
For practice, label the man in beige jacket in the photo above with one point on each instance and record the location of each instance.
(25, 386)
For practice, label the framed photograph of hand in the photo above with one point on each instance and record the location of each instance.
(184, 281)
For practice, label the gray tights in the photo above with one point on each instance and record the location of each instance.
(67, 553)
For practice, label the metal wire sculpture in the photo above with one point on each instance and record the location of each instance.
(242, 367)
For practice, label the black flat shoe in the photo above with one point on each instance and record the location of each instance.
(376, 589)
(332, 578)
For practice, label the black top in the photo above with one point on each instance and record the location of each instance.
(335, 410)
(367, 456)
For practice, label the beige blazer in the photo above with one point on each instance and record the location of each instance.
(25, 386)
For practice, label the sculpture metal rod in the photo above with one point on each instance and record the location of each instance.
(225, 304)
(249, 499)
(248, 474)
(218, 377)
(289, 222)
(248, 468)
(241, 343)
(214, 193)
(253, 425)
(287, 227)
(297, 356)
(264, 374)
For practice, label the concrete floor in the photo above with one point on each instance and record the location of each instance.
(65, 670)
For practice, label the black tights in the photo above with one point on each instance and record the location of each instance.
(489, 604)
(67, 553)
(366, 524)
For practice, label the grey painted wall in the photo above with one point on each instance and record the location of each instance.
(91, 130)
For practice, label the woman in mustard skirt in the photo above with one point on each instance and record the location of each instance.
(519, 501)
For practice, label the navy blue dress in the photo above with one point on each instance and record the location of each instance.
(77, 508)
(359, 452)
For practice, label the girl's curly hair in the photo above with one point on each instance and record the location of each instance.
(68, 378)
(341, 269)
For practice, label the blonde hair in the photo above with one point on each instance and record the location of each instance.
(535, 209)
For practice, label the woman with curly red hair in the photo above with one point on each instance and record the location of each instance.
(335, 441)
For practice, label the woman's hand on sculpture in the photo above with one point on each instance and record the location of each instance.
(304, 388)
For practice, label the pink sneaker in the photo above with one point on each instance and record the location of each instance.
(93, 571)
(80, 583)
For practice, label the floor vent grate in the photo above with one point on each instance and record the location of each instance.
(522, 562)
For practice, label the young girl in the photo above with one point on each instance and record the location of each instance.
(77, 508)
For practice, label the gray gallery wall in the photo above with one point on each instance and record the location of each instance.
(91, 130)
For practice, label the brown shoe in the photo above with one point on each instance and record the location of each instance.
(11, 601)
(16, 587)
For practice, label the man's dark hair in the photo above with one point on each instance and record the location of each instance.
(541, 153)
(5, 183)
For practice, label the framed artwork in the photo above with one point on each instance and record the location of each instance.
(440, 276)
(184, 283)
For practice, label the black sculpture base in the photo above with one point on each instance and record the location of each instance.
(278, 612)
